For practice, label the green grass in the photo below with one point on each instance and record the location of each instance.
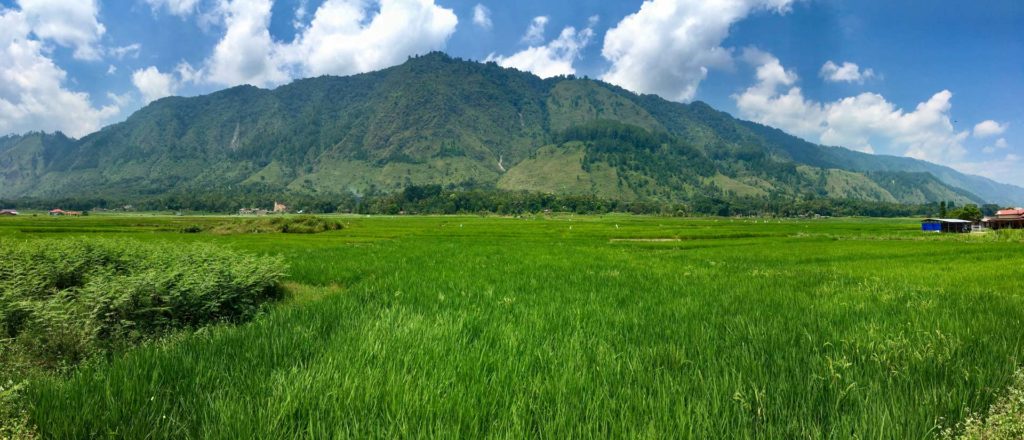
(547, 327)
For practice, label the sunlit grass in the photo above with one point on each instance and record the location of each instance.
(549, 327)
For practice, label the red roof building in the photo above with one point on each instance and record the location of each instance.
(1005, 219)
(1010, 213)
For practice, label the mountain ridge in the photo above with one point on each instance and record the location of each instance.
(461, 124)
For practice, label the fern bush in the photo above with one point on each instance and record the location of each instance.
(62, 301)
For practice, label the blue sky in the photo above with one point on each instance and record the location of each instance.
(940, 80)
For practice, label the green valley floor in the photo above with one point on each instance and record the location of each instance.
(570, 327)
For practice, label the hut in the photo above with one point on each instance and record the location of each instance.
(953, 225)
(4, 212)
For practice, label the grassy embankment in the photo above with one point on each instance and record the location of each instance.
(557, 327)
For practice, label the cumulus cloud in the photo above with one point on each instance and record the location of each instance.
(552, 59)
(344, 37)
(245, 54)
(847, 72)
(482, 17)
(69, 23)
(180, 8)
(865, 122)
(535, 33)
(153, 84)
(668, 46)
(989, 128)
(33, 95)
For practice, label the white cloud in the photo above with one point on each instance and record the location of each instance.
(153, 84)
(555, 58)
(121, 101)
(535, 33)
(180, 8)
(245, 55)
(131, 50)
(847, 72)
(187, 73)
(989, 128)
(32, 87)
(482, 17)
(300, 15)
(69, 23)
(1000, 144)
(345, 37)
(668, 46)
(111, 69)
(866, 122)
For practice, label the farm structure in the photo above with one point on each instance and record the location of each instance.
(60, 212)
(1005, 219)
(954, 225)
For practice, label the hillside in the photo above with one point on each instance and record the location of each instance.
(460, 124)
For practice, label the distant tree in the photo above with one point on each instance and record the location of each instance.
(968, 212)
(989, 209)
(942, 209)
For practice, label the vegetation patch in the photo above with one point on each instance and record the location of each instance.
(63, 301)
(477, 327)
(1005, 419)
(307, 224)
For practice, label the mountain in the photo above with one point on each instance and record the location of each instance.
(461, 124)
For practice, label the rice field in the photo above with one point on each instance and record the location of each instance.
(569, 327)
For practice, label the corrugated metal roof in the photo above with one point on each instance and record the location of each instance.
(1017, 211)
(946, 220)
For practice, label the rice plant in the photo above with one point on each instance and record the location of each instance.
(573, 327)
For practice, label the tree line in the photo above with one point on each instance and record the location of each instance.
(436, 199)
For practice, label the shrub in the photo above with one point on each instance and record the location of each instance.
(1005, 418)
(307, 224)
(62, 301)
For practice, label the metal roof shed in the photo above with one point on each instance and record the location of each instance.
(954, 225)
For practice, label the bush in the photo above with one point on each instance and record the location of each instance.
(1005, 419)
(307, 224)
(62, 301)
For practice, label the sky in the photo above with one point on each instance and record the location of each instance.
(939, 80)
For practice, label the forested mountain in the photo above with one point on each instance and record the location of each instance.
(460, 124)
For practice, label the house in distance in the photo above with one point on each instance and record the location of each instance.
(1005, 219)
(279, 208)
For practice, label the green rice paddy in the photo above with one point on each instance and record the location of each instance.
(569, 327)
